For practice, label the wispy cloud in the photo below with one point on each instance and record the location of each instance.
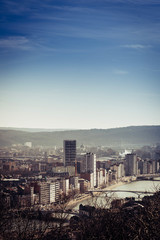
(143, 1)
(120, 72)
(19, 42)
(22, 43)
(14, 7)
(136, 46)
(31, 6)
(134, 1)
(47, 17)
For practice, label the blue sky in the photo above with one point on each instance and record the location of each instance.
(79, 64)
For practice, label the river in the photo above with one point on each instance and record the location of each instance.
(105, 199)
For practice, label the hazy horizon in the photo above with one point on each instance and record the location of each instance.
(79, 64)
(70, 129)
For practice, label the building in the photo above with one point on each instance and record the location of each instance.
(131, 166)
(118, 171)
(64, 185)
(90, 177)
(28, 144)
(8, 166)
(86, 210)
(154, 166)
(32, 195)
(144, 167)
(39, 167)
(49, 192)
(101, 177)
(61, 169)
(84, 185)
(69, 148)
(89, 165)
(74, 183)
(44, 193)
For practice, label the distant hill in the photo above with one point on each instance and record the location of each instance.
(35, 129)
(134, 136)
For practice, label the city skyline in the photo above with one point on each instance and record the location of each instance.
(79, 64)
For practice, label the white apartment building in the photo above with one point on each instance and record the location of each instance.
(64, 185)
(89, 165)
(101, 177)
(49, 192)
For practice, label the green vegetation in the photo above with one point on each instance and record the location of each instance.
(119, 137)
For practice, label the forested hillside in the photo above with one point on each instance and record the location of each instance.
(118, 137)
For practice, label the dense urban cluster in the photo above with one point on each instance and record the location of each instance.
(40, 176)
(38, 184)
(128, 220)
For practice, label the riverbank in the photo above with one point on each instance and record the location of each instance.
(72, 203)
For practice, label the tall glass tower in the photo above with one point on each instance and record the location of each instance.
(69, 148)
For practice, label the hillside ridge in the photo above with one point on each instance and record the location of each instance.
(113, 137)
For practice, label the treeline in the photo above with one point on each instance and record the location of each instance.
(140, 221)
(137, 136)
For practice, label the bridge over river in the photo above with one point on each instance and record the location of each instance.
(138, 193)
(151, 176)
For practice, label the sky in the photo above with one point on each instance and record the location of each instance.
(79, 64)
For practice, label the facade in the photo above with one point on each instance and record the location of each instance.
(131, 167)
(149, 166)
(90, 177)
(86, 210)
(84, 185)
(49, 192)
(44, 193)
(154, 166)
(61, 169)
(8, 166)
(52, 189)
(89, 165)
(32, 195)
(69, 148)
(74, 182)
(101, 177)
(64, 185)
(118, 170)
(140, 166)
(39, 167)
(28, 144)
